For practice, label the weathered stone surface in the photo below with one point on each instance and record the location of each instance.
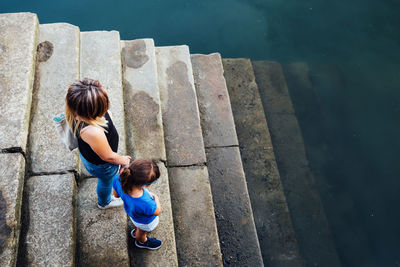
(100, 59)
(276, 94)
(213, 99)
(101, 234)
(235, 222)
(308, 216)
(182, 131)
(167, 254)
(50, 238)
(300, 85)
(194, 221)
(309, 220)
(18, 34)
(57, 68)
(145, 139)
(306, 101)
(145, 134)
(274, 227)
(284, 130)
(12, 169)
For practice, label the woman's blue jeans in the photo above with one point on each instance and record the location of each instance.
(105, 174)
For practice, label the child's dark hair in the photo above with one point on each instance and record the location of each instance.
(140, 172)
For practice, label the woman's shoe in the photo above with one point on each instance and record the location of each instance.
(115, 202)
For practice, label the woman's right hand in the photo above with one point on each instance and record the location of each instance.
(126, 160)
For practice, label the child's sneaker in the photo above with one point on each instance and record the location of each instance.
(133, 233)
(151, 243)
(115, 202)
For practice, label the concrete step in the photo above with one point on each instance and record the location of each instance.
(310, 115)
(182, 131)
(101, 235)
(308, 216)
(100, 59)
(272, 219)
(235, 222)
(12, 169)
(300, 88)
(145, 133)
(145, 139)
(193, 211)
(18, 35)
(57, 66)
(49, 221)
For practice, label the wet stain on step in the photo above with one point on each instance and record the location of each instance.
(145, 109)
(134, 54)
(44, 51)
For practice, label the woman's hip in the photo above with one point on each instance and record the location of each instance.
(102, 171)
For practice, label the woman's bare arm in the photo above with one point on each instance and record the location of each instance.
(97, 140)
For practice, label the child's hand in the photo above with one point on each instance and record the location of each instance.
(115, 193)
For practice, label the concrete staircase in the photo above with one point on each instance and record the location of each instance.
(306, 209)
(222, 195)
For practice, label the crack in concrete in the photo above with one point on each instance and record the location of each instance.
(13, 150)
(210, 147)
(190, 165)
(75, 173)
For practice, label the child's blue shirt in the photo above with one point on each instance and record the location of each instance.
(140, 209)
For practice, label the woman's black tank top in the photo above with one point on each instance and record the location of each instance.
(112, 138)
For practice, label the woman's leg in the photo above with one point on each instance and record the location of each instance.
(104, 188)
(104, 184)
(105, 174)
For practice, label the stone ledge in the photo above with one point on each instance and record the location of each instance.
(181, 120)
(101, 234)
(194, 219)
(57, 68)
(275, 94)
(236, 229)
(145, 134)
(12, 169)
(271, 214)
(50, 239)
(18, 34)
(216, 116)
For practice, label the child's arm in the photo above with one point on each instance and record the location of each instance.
(158, 210)
(115, 193)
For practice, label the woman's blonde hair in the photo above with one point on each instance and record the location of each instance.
(86, 102)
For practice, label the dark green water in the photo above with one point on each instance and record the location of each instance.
(353, 49)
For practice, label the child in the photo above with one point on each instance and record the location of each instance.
(142, 206)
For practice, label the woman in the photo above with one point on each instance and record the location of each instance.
(86, 110)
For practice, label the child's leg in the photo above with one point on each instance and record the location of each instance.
(142, 241)
(141, 235)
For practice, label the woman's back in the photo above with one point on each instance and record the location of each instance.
(112, 138)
